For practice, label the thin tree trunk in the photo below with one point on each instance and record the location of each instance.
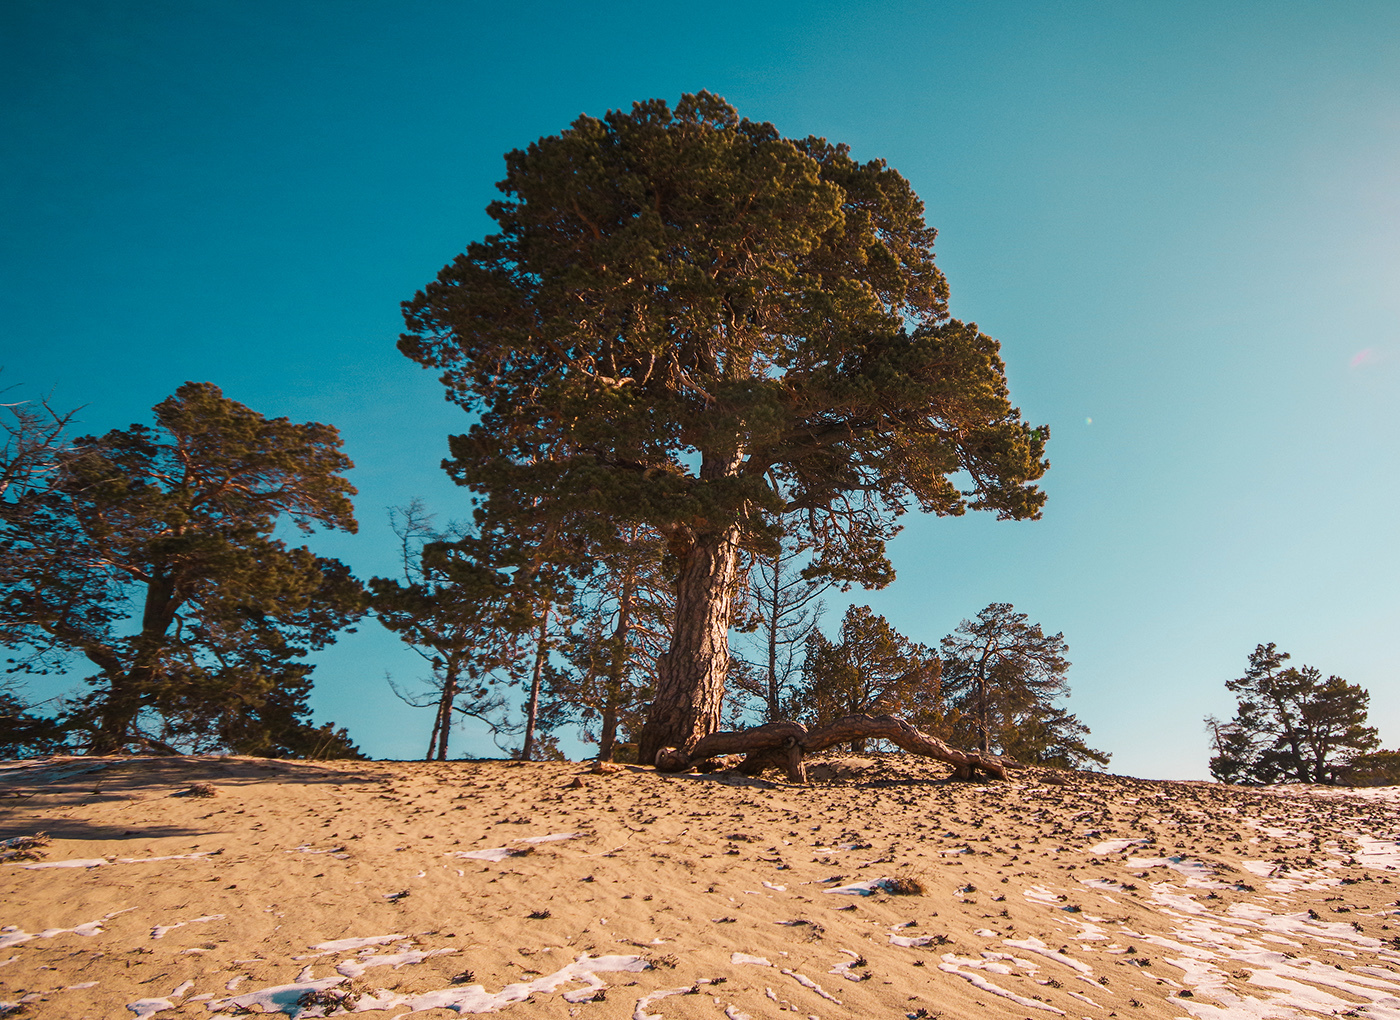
(433, 737)
(607, 739)
(982, 715)
(690, 675)
(449, 698)
(532, 709)
(774, 701)
(612, 691)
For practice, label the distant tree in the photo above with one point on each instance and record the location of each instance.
(453, 608)
(784, 608)
(1290, 724)
(1045, 734)
(35, 443)
(689, 322)
(1002, 674)
(177, 520)
(870, 669)
(1376, 768)
(623, 614)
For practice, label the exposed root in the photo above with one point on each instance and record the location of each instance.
(783, 745)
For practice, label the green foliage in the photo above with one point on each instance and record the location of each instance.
(666, 282)
(453, 607)
(1001, 675)
(689, 323)
(1043, 734)
(1378, 768)
(782, 609)
(24, 734)
(1290, 724)
(871, 669)
(177, 520)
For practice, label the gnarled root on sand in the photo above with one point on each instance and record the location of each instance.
(783, 745)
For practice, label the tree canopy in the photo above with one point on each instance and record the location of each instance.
(177, 520)
(689, 322)
(1291, 724)
(1001, 675)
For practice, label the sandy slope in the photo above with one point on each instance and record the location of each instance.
(355, 876)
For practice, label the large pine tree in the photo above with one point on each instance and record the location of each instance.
(690, 322)
(149, 552)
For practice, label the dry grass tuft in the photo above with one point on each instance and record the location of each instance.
(903, 885)
(198, 790)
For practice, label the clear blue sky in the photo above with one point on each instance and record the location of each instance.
(1182, 220)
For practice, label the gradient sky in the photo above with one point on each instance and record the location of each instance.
(1181, 219)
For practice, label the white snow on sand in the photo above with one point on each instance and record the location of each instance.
(463, 999)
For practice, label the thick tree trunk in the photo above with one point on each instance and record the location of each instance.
(532, 708)
(690, 676)
(127, 688)
(782, 745)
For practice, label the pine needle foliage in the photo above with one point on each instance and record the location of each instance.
(689, 322)
(149, 552)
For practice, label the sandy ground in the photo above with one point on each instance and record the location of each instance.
(544, 890)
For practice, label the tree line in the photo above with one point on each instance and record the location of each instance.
(149, 553)
(705, 369)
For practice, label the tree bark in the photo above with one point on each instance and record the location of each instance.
(775, 707)
(126, 689)
(449, 698)
(691, 674)
(782, 745)
(433, 737)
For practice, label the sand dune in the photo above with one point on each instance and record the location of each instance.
(547, 890)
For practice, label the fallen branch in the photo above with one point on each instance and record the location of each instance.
(784, 744)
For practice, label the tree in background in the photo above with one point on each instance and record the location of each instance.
(870, 669)
(1001, 675)
(1290, 724)
(784, 608)
(689, 322)
(178, 520)
(452, 607)
(1376, 768)
(623, 623)
(23, 733)
(1045, 734)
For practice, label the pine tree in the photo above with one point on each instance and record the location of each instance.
(689, 322)
(1001, 675)
(451, 608)
(871, 669)
(178, 519)
(623, 614)
(784, 607)
(1290, 724)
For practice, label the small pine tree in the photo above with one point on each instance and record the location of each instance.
(1290, 724)
(871, 669)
